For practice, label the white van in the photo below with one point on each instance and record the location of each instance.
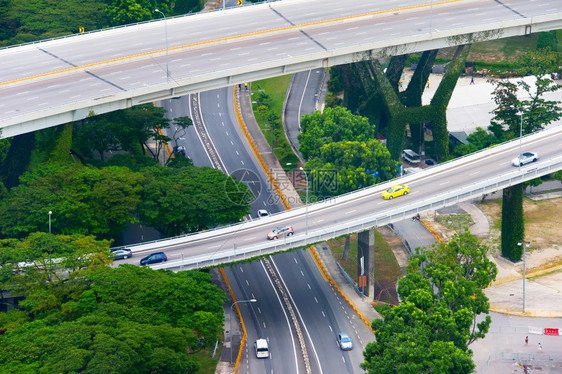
(410, 156)
(262, 349)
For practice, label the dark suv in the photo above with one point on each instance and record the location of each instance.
(154, 258)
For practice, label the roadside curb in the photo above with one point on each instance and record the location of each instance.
(335, 285)
(244, 335)
(432, 231)
(257, 153)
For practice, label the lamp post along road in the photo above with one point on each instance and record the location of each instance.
(525, 245)
(50, 212)
(230, 321)
(306, 205)
(166, 33)
(430, 15)
(520, 138)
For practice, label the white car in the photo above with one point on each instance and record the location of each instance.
(344, 342)
(525, 158)
(263, 213)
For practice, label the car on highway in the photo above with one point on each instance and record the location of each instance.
(344, 342)
(280, 232)
(154, 258)
(262, 348)
(525, 158)
(263, 213)
(121, 253)
(395, 191)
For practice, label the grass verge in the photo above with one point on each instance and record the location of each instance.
(268, 96)
(208, 364)
(387, 270)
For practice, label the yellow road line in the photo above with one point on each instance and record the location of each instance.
(258, 155)
(229, 38)
(244, 335)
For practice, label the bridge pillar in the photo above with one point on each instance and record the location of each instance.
(366, 262)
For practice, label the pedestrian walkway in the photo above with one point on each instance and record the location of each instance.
(543, 285)
(361, 304)
(270, 165)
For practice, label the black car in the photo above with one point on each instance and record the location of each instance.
(121, 253)
(154, 258)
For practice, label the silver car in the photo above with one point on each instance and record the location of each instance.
(525, 158)
(122, 253)
(344, 342)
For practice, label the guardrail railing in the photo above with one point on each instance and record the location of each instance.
(331, 231)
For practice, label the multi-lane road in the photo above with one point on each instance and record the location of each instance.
(316, 313)
(296, 309)
(453, 180)
(215, 140)
(62, 80)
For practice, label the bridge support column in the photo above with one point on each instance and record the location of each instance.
(366, 262)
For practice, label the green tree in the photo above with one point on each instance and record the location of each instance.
(513, 225)
(39, 266)
(511, 114)
(126, 130)
(84, 200)
(332, 125)
(121, 320)
(538, 112)
(122, 12)
(506, 121)
(557, 175)
(442, 295)
(188, 199)
(479, 139)
(346, 166)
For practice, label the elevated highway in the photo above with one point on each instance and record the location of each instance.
(443, 185)
(62, 80)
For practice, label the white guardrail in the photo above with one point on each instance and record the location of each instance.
(337, 229)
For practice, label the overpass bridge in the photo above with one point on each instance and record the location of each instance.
(446, 184)
(57, 81)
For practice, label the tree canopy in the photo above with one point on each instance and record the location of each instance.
(100, 201)
(94, 318)
(345, 166)
(84, 200)
(23, 21)
(442, 295)
(332, 125)
(188, 199)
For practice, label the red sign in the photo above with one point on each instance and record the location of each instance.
(550, 331)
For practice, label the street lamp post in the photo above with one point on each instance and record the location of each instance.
(306, 206)
(520, 138)
(430, 15)
(50, 212)
(230, 321)
(166, 33)
(525, 245)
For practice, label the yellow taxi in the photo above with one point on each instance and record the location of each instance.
(395, 191)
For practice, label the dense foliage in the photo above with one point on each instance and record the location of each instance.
(100, 201)
(513, 225)
(342, 152)
(128, 130)
(332, 125)
(346, 166)
(84, 200)
(442, 296)
(188, 199)
(94, 319)
(23, 21)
